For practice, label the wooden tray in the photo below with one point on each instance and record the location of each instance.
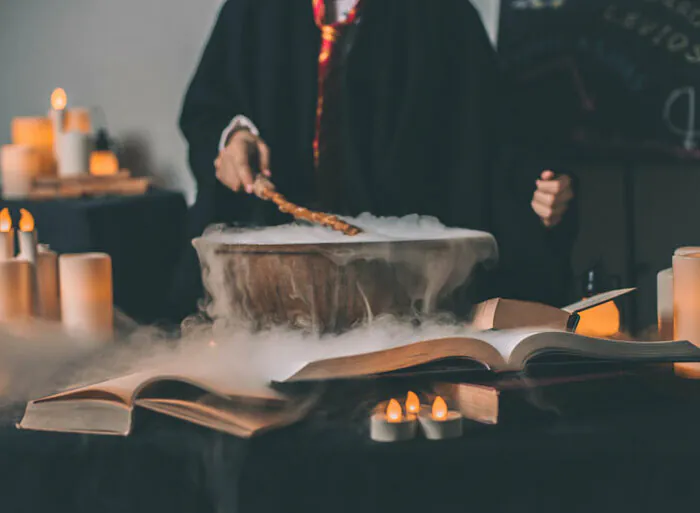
(121, 184)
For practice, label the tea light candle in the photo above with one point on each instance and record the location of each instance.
(73, 154)
(20, 165)
(392, 425)
(47, 276)
(440, 423)
(85, 285)
(16, 296)
(7, 236)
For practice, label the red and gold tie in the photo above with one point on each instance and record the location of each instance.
(329, 83)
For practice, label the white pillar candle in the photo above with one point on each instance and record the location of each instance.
(686, 305)
(16, 297)
(7, 236)
(391, 425)
(664, 296)
(74, 149)
(20, 165)
(440, 423)
(47, 275)
(85, 284)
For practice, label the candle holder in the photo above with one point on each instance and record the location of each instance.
(392, 425)
(440, 423)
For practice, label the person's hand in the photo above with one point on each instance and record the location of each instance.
(551, 199)
(244, 156)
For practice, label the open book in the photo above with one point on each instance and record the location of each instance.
(502, 314)
(107, 407)
(497, 351)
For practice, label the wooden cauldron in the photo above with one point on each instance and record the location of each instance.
(331, 287)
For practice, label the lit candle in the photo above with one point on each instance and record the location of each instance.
(28, 251)
(440, 423)
(103, 163)
(16, 296)
(7, 236)
(27, 237)
(85, 284)
(391, 425)
(59, 100)
(47, 275)
(74, 150)
(412, 403)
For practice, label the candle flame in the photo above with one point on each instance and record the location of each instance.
(26, 221)
(393, 411)
(5, 221)
(412, 403)
(59, 99)
(439, 409)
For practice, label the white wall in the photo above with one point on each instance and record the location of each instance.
(133, 58)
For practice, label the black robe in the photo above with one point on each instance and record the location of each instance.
(425, 123)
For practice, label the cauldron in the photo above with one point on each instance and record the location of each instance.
(333, 286)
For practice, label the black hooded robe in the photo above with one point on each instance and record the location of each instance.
(423, 119)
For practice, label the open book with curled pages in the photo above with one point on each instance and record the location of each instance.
(107, 407)
(493, 351)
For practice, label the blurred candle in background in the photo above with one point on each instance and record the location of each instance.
(77, 119)
(20, 165)
(86, 297)
(59, 100)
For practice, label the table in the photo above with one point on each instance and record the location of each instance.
(638, 460)
(144, 235)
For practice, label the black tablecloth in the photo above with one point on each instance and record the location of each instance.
(644, 460)
(143, 234)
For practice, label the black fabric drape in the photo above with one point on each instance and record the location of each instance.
(425, 118)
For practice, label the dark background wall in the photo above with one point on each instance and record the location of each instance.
(612, 84)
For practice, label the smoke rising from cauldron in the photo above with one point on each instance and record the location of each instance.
(316, 279)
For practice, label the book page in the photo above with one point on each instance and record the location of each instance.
(399, 358)
(607, 349)
(596, 300)
(120, 390)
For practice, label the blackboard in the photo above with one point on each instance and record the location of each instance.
(605, 74)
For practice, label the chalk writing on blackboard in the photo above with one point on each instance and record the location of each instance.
(616, 61)
(536, 4)
(675, 41)
(689, 132)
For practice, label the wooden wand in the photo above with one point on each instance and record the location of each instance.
(264, 189)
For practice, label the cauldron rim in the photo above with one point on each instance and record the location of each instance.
(319, 247)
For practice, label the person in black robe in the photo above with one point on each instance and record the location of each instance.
(422, 119)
